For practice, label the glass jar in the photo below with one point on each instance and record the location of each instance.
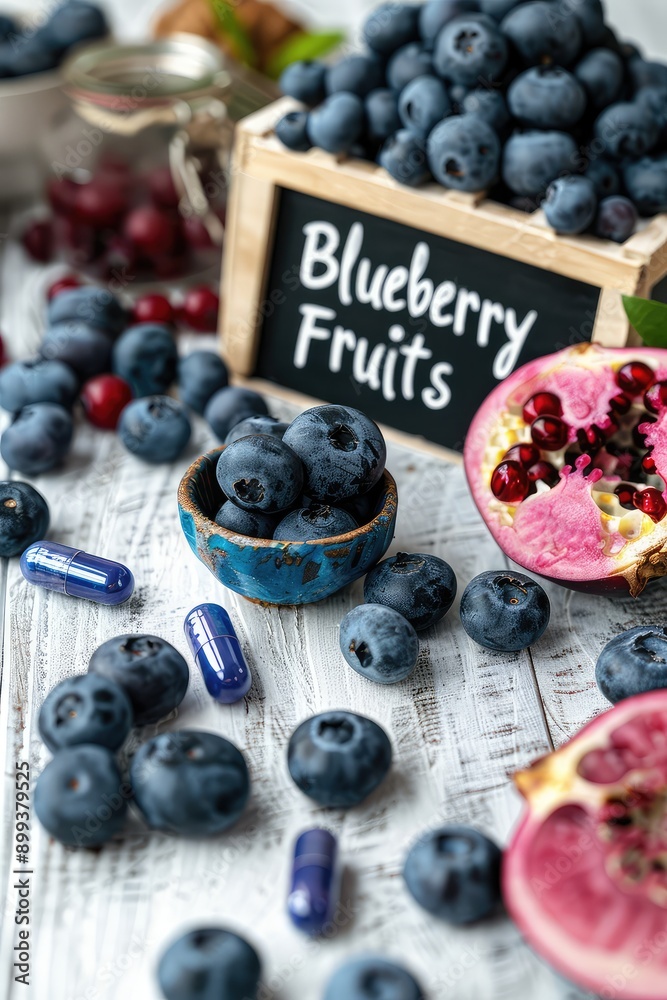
(140, 163)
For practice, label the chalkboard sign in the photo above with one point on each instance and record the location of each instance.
(346, 287)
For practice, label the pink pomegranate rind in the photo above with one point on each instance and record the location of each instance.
(585, 876)
(562, 533)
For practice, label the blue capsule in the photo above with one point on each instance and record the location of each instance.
(218, 654)
(315, 887)
(76, 573)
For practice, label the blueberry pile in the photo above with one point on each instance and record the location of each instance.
(535, 101)
(25, 51)
(316, 478)
(120, 367)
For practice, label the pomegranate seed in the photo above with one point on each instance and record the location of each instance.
(540, 405)
(655, 398)
(104, 398)
(152, 230)
(38, 240)
(651, 501)
(634, 377)
(648, 463)
(637, 435)
(62, 285)
(620, 404)
(200, 309)
(590, 440)
(626, 495)
(510, 483)
(544, 472)
(100, 204)
(550, 433)
(153, 309)
(524, 454)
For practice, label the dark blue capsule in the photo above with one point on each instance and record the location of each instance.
(218, 654)
(76, 573)
(315, 887)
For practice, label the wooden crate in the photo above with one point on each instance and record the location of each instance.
(263, 170)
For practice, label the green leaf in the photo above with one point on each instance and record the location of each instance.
(232, 27)
(649, 319)
(303, 45)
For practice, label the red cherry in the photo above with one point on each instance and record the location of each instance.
(542, 404)
(104, 398)
(121, 257)
(78, 240)
(648, 463)
(655, 398)
(62, 195)
(200, 309)
(524, 454)
(100, 203)
(626, 495)
(38, 240)
(550, 433)
(544, 472)
(153, 309)
(510, 483)
(651, 501)
(162, 188)
(152, 230)
(196, 234)
(62, 285)
(620, 404)
(634, 377)
(172, 266)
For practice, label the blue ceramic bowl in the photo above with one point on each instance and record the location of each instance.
(279, 572)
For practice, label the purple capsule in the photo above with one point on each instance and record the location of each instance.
(218, 654)
(315, 888)
(76, 573)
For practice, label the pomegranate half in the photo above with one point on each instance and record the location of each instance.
(567, 463)
(585, 877)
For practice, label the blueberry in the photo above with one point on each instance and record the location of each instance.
(616, 219)
(209, 964)
(435, 14)
(498, 9)
(38, 381)
(8, 27)
(504, 611)
(304, 81)
(627, 130)
(601, 73)
(646, 184)
(532, 160)
(382, 117)
(200, 375)
(337, 123)
(250, 523)
(647, 74)
(464, 153)
(571, 204)
(292, 130)
(457, 95)
(75, 22)
(152, 673)
(543, 33)
(421, 587)
(654, 100)
(390, 26)
(605, 177)
(83, 348)
(316, 522)
(89, 304)
(261, 424)
(80, 798)
(469, 51)
(38, 438)
(547, 97)
(367, 506)
(85, 709)
(35, 54)
(193, 784)
(24, 517)
(155, 428)
(424, 103)
(372, 978)
(490, 105)
(411, 61)
(403, 156)
(454, 873)
(146, 357)
(634, 662)
(229, 406)
(342, 450)
(379, 643)
(260, 472)
(355, 74)
(338, 758)
(590, 14)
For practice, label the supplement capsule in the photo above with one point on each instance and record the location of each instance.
(315, 887)
(76, 573)
(218, 654)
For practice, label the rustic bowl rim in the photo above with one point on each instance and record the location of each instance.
(388, 511)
